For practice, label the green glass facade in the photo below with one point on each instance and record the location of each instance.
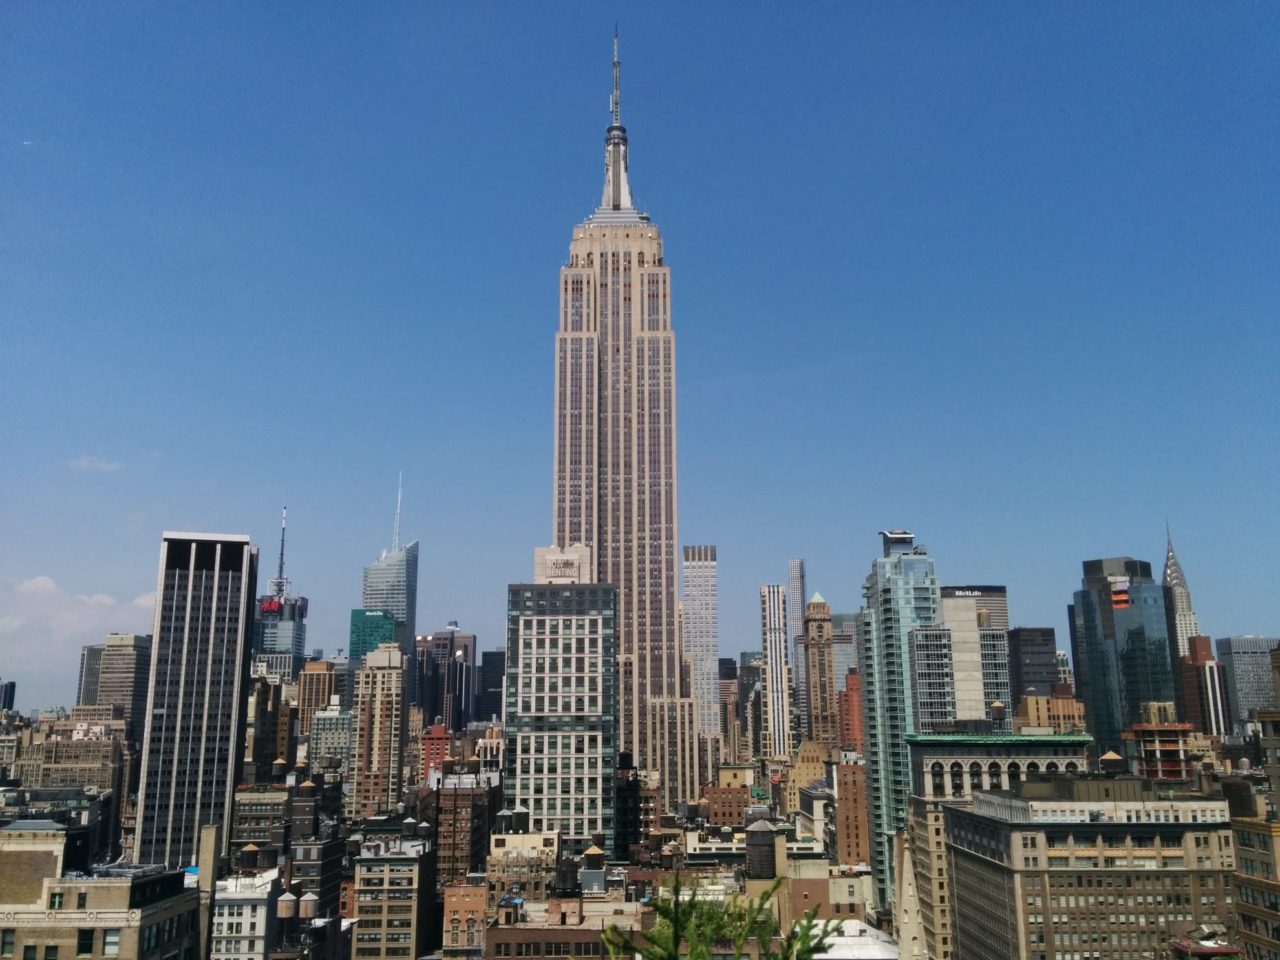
(369, 628)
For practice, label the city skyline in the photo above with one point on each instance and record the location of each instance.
(118, 482)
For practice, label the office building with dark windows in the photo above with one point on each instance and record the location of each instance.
(1119, 645)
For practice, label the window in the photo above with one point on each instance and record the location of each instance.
(50, 951)
(84, 942)
(55, 900)
(82, 900)
(29, 952)
(7, 939)
(111, 942)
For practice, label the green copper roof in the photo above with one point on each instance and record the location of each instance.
(816, 598)
(1013, 739)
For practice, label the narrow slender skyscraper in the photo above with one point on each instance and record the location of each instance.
(796, 597)
(700, 605)
(615, 458)
(193, 748)
(775, 676)
(901, 594)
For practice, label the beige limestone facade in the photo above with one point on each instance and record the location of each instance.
(615, 460)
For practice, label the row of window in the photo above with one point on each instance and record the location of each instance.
(87, 943)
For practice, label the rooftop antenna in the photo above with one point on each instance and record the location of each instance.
(395, 533)
(279, 586)
(615, 105)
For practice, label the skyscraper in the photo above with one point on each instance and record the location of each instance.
(797, 594)
(1177, 598)
(700, 605)
(960, 663)
(493, 670)
(280, 630)
(378, 720)
(1246, 661)
(445, 680)
(369, 630)
(562, 709)
(615, 458)
(1033, 662)
(899, 595)
(823, 720)
(1203, 684)
(118, 672)
(775, 675)
(193, 747)
(391, 583)
(1119, 645)
(317, 683)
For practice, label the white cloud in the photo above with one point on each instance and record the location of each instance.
(42, 585)
(97, 599)
(146, 601)
(43, 628)
(88, 463)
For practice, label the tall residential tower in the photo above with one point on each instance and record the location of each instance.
(900, 595)
(699, 606)
(615, 458)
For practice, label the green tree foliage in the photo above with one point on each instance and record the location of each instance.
(691, 929)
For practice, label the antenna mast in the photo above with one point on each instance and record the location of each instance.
(280, 586)
(395, 533)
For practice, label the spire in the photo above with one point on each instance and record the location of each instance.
(395, 532)
(615, 201)
(1173, 575)
(615, 105)
(280, 586)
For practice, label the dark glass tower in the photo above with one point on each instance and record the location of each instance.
(1119, 645)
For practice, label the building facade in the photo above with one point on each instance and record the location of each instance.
(1202, 685)
(51, 910)
(1033, 662)
(1071, 867)
(561, 718)
(317, 683)
(949, 770)
(900, 595)
(1245, 661)
(699, 605)
(393, 892)
(822, 722)
(391, 584)
(193, 747)
(615, 459)
(117, 672)
(775, 674)
(797, 594)
(379, 721)
(493, 670)
(960, 663)
(1119, 645)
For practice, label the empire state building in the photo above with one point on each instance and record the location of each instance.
(615, 459)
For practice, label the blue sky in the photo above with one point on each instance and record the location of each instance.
(1003, 274)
